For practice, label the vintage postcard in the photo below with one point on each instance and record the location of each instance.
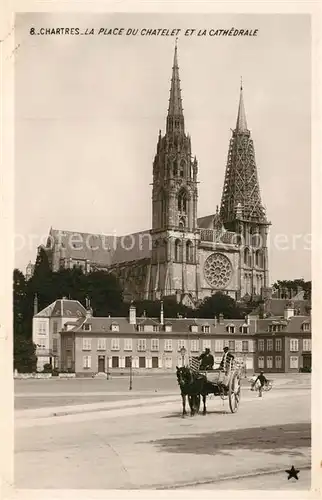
(162, 284)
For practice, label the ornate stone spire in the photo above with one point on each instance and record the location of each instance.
(241, 197)
(175, 119)
(241, 124)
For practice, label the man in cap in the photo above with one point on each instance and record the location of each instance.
(226, 359)
(207, 360)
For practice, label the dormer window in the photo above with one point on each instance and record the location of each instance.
(87, 327)
(205, 329)
(275, 328)
(194, 328)
(140, 328)
(306, 327)
(115, 327)
(230, 328)
(168, 328)
(155, 328)
(243, 329)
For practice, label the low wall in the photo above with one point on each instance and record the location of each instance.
(32, 375)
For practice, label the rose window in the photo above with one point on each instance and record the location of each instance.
(218, 270)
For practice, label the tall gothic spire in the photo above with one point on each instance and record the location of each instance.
(241, 197)
(241, 124)
(175, 119)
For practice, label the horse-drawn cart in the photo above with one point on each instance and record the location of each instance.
(225, 383)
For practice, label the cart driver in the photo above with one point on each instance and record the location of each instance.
(226, 359)
(207, 360)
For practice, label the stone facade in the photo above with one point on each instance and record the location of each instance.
(183, 255)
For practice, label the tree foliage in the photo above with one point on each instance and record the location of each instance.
(19, 301)
(24, 357)
(294, 284)
(219, 303)
(106, 296)
(171, 309)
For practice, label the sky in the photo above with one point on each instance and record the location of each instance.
(88, 110)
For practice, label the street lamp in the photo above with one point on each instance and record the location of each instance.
(183, 353)
(131, 377)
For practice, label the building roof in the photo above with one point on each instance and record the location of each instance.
(292, 326)
(63, 308)
(206, 222)
(179, 325)
(102, 250)
(276, 307)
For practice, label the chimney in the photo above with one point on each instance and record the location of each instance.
(247, 319)
(161, 313)
(288, 311)
(221, 319)
(35, 304)
(89, 310)
(132, 314)
(178, 297)
(216, 321)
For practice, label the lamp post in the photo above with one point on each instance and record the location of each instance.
(183, 353)
(131, 377)
(245, 367)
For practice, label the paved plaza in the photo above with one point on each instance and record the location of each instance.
(96, 434)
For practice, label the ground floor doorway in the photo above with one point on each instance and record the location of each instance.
(101, 364)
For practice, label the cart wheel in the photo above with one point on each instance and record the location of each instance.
(234, 392)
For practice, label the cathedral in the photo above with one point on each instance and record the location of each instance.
(183, 255)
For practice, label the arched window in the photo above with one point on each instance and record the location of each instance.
(163, 214)
(175, 168)
(182, 202)
(189, 251)
(246, 256)
(259, 258)
(182, 168)
(177, 250)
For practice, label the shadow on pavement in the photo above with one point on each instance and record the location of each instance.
(178, 414)
(272, 439)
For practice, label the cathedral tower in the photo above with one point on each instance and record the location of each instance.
(174, 204)
(242, 210)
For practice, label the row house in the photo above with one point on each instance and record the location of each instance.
(71, 339)
(283, 345)
(105, 344)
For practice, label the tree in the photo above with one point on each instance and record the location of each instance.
(19, 301)
(24, 356)
(41, 282)
(25, 359)
(105, 293)
(294, 284)
(219, 303)
(171, 309)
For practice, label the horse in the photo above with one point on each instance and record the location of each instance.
(192, 385)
